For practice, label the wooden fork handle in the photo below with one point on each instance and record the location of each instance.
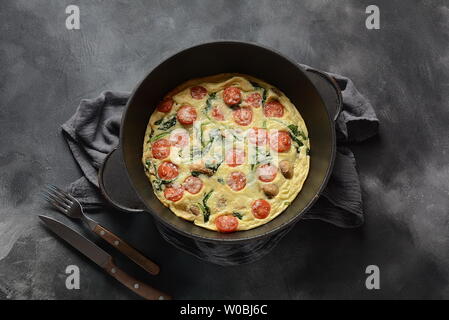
(138, 287)
(127, 250)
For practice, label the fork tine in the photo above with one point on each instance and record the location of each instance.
(56, 189)
(56, 199)
(62, 192)
(56, 195)
(55, 204)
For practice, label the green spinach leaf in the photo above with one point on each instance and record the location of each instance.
(168, 123)
(213, 166)
(237, 215)
(294, 134)
(298, 143)
(209, 102)
(294, 129)
(196, 173)
(204, 207)
(159, 136)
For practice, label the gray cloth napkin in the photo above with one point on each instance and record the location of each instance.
(93, 131)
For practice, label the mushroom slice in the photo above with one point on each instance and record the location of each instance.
(271, 190)
(221, 203)
(286, 168)
(201, 168)
(193, 209)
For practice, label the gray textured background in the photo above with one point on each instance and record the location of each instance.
(402, 68)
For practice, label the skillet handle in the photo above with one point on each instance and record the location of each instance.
(329, 90)
(115, 185)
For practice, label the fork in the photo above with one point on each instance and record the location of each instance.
(69, 206)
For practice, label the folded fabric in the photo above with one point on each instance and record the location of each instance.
(93, 131)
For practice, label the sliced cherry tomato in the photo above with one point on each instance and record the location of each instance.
(173, 193)
(217, 114)
(232, 96)
(179, 138)
(161, 149)
(198, 92)
(280, 141)
(261, 208)
(235, 157)
(165, 105)
(186, 114)
(193, 184)
(237, 181)
(258, 136)
(254, 100)
(243, 116)
(167, 170)
(267, 172)
(273, 109)
(226, 223)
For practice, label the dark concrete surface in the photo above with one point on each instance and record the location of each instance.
(402, 68)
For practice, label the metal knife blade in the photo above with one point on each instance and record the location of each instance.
(79, 242)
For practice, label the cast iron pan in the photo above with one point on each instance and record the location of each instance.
(227, 57)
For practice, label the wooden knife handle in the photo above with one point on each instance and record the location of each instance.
(138, 287)
(127, 250)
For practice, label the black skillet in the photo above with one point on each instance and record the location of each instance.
(209, 59)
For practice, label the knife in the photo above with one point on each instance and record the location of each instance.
(102, 258)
